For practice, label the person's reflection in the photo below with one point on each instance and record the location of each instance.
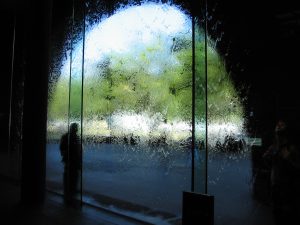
(71, 157)
(285, 162)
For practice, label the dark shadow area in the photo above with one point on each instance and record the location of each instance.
(52, 212)
(259, 43)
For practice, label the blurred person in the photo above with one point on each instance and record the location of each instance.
(283, 155)
(70, 149)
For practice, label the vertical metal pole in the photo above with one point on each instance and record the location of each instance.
(193, 100)
(69, 103)
(206, 92)
(82, 85)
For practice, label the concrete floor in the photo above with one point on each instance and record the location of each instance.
(53, 212)
(229, 182)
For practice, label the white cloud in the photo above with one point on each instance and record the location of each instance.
(127, 29)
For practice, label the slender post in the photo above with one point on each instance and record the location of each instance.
(69, 100)
(206, 92)
(82, 86)
(193, 100)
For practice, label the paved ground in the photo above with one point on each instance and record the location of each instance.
(53, 212)
(230, 181)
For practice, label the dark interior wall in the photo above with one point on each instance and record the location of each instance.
(258, 40)
(36, 30)
(30, 80)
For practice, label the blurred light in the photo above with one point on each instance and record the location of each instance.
(129, 30)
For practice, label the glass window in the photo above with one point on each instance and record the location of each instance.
(132, 76)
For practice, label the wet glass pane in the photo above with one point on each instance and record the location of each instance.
(64, 152)
(200, 103)
(229, 164)
(73, 162)
(135, 111)
(58, 94)
(137, 108)
(229, 167)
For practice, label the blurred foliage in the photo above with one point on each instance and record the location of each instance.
(125, 82)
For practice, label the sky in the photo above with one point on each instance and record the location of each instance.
(128, 32)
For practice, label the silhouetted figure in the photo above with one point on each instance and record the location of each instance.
(285, 164)
(71, 157)
(125, 139)
(132, 140)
